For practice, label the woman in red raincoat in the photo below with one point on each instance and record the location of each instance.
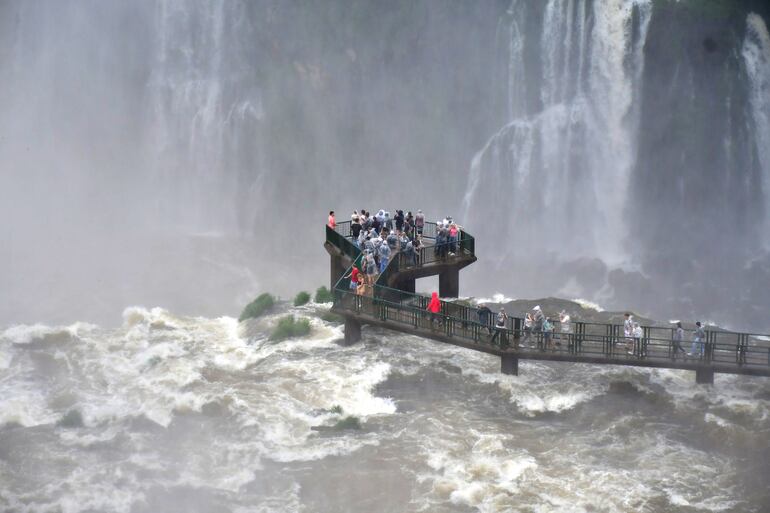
(434, 307)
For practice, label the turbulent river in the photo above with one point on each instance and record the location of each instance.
(189, 414)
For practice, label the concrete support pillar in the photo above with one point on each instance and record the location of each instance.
(352, 331)
(449, 283)
(509, 364)
(337, 270)
(704, 376)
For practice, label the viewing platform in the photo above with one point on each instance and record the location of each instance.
(394, 304)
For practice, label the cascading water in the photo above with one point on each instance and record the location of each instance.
(756, 55)
(205, 103)
(560, 167)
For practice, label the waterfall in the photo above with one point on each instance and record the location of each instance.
(561, 169)
(756, 56)
(203, 98)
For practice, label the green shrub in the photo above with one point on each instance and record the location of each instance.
(257, 307)
(323, 295)
(336, 409)
(349, 422)
(289, 327)
(301, 298)
(332, 317)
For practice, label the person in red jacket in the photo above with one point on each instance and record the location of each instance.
(434, 307)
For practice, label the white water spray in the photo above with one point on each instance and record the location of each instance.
(756, 56)
(565, 167)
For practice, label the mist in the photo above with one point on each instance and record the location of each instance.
(184, 155)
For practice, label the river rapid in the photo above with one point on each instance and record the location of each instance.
(189, 414)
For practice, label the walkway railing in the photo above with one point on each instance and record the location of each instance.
(585, 339)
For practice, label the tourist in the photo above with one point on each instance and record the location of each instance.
(384, 251)
(441, 243)
(354, 278)
(418, 245)
(500, 327)
(485, 314)
(547, 332)
(399, 219)
(355, 230)
(677, 340)
(565, 328)
(502, 317)
(371, 269)
(392, 242)
(528, 322)
(409, 224)
(388, 222)
(628, 331)
(637, 333)
(698, 337)
(332, 223)
(403, 240)
(409, 254)
(434, 307)
(419, 222)
(453, 233)
(539, 319)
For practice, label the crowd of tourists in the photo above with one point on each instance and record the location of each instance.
(382, 236)
(539, 330)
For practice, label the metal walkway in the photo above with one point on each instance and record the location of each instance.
(394, 305)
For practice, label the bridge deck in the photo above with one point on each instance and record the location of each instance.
(394, 305)
(720, 358)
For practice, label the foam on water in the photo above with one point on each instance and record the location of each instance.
(588, 305)
(496, 298)
(202, 404)
(25, 334)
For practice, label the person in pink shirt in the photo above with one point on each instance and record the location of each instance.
(332, 223)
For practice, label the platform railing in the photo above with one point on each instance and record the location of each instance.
(342, 237)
